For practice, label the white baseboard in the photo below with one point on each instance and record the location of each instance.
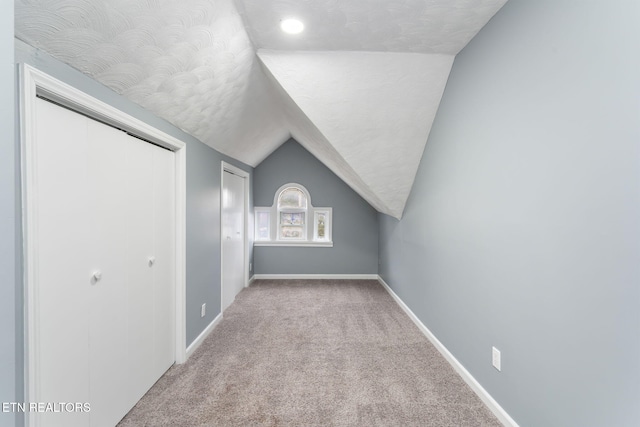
(317, 276)
(251, 280)
(493, 406)
(198, 341)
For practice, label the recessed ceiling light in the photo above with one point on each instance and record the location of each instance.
(292, 26)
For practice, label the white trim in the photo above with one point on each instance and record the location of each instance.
(203, 335)
(181, 255)
(317, 276)
(33, 83)
(303, 244)
(29, 231)
(488, 400)
(244, 175)
(251, 280)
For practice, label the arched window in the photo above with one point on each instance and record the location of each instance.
(292, 214)
(292, 220)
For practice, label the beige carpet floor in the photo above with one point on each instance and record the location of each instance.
(312, 353)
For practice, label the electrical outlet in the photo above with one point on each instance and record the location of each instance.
(250, 266)
(495, 358)
(203, 310)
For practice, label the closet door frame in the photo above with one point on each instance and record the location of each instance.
(34, 83)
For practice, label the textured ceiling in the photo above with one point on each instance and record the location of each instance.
(189, 62)
(425, 26)
(376, 109)
(193, 62)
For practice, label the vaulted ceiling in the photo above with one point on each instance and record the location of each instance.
(359, 87)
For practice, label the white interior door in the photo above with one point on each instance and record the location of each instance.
(233, 239)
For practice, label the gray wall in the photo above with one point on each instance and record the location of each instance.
(355, 223)
(522, 229)
(9, 361)
(203, 235)
(203, 191)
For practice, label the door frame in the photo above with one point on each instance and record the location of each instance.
(228, 167)
(35, 83)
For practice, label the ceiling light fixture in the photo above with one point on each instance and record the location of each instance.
(292, 26)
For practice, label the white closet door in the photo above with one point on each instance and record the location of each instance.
(105, 266)
(232, 237)
(62, 263)
(108, 236)
(163, 271)
(139, 250)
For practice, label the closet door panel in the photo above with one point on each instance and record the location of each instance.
(139, 251)
(62, 262)
(108, 302)
(164, 250)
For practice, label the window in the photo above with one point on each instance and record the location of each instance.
(321, 226)
(292, 213)
(263, 229)
(292, 220)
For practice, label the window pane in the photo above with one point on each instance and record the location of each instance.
(292, 218)
(262, 226)
(291, 232)
(321, 219)
(292, 198)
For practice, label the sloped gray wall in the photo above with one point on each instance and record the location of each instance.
(523, 227)
(355, 222)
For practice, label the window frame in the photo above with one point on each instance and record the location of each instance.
(310, 227)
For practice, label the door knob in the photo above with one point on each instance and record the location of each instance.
(152, 260)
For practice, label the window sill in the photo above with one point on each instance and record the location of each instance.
(304, 244)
